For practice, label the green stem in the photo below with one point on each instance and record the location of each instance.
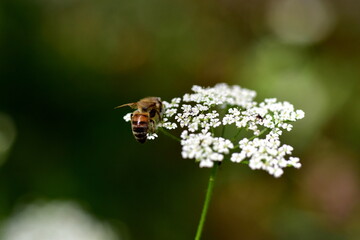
(209, 192)
(261, 133)
(238, 133)
(169, 134)
(223, 131)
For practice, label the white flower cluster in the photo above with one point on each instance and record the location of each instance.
(201, 112)
(204, 147)
(266, 154)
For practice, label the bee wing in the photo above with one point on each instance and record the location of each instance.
(132, 105)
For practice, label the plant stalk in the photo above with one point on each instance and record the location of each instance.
(209, 192)
(169, 134)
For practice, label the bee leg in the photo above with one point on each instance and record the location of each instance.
(152, 126)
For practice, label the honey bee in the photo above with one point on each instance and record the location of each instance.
(144, 119)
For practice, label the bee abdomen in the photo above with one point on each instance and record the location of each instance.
(140, 133)
(140, 126)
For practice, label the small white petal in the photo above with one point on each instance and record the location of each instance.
(127, 117)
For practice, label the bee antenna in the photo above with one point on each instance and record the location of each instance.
(132, 105)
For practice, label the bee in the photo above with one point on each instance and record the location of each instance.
(143, 120)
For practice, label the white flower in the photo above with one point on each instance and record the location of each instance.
(230, 119)
(237, 157)
(222, 145)
(204, 113)
(294, 161)
(299, 114)
(276, 171)
(168, 125)
(173, 104)
(127, 117)
(170, 112)
(206, 163)
(243, 142)
(216, 156)
(151, 136)
(234, 111)
(286, 126)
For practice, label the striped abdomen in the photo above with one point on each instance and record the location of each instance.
(140, 126)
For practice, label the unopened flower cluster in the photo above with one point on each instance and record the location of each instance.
(206, 111)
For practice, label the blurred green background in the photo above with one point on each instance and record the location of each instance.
(66, 63)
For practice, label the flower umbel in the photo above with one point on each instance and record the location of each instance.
(207, 111)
